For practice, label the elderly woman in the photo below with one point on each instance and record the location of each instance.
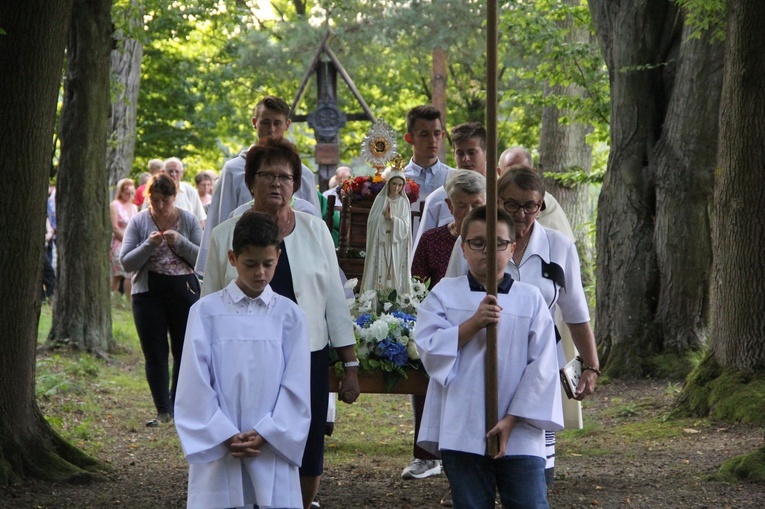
(160, 247)
(307, 273)
(548, 260)
(204, 183)
(121, 211)
(465, 190)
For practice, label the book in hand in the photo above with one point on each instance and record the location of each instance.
(570, 375)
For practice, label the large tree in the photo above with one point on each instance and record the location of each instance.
(126, 78)
(738, 282)
(729, 383)
(653, 252)
(31, 56)
(82, 306)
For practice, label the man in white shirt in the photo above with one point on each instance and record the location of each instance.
(187, 197)
(469, 142)
(270, 120)
(425, 133)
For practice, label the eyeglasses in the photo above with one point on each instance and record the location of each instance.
(480, 244)
(270, 177)
(529, 208)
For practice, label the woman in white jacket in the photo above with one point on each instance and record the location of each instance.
(307, 273)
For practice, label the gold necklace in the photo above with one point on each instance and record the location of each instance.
(290, 215)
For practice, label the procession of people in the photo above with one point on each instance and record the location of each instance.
(243, 277)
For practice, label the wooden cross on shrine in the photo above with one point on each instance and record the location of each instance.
(327, 119)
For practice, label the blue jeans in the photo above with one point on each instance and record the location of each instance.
(520, 480)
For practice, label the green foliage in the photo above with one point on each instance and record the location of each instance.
(206, 65)
(705, 15)
(723, 394)
(749, 467)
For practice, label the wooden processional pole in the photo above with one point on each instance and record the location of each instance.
(492, 446)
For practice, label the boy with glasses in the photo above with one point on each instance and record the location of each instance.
(451, 339)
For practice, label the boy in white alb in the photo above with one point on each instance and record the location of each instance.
(451, 339)
(242, 409)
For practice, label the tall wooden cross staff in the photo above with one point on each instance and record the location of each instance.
(492, 445)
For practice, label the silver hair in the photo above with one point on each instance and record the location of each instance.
(466, 181)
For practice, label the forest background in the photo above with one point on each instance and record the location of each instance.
(669, 93)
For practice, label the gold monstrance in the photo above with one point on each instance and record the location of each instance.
(379, 146)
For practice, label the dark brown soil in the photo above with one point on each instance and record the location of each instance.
(639, 471)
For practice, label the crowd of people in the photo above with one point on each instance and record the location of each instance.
(238, 282)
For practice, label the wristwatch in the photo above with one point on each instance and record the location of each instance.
(351, 364)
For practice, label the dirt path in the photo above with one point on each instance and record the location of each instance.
(623, 459)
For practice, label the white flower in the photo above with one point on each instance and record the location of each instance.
(367, 296)
(378, 330)
(350, 302)
(404, 300)
(351, 284)
(387, 306)
(411, 349)
(362, 351)
(362, 254)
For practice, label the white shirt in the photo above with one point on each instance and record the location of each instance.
(435, 213)
(527, 366)
(429, 179)
(188, 198)
(244, 366)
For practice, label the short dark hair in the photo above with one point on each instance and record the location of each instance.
(468, 130)
(272, 103)
(202, 175)
(479, 214)
(424, 112)
(273, 151)
(254, 229)
(161, 183)
(523, 177)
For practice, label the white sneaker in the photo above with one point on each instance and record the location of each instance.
(420, 469)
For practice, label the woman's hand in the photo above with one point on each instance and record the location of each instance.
(155, 238)
(171, 237)
(349, 387)
(388, 214)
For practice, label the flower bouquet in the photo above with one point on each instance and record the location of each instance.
(368, 187)
(384, 324)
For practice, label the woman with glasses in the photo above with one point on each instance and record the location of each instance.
(307, 272)
(548, 260)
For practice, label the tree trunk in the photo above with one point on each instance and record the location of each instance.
(638, 39)
(31, 55)
(738, 271)
(685, 159)
(563, 148)
(438, 84)
(82, 307)
(126, 72)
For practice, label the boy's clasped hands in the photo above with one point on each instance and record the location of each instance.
(246, 444)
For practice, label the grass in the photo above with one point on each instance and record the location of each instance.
(84, 399)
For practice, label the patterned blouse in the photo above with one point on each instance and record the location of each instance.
(432, 256)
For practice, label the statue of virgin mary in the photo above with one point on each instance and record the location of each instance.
(389, 239)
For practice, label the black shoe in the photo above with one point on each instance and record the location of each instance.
(162, 418)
